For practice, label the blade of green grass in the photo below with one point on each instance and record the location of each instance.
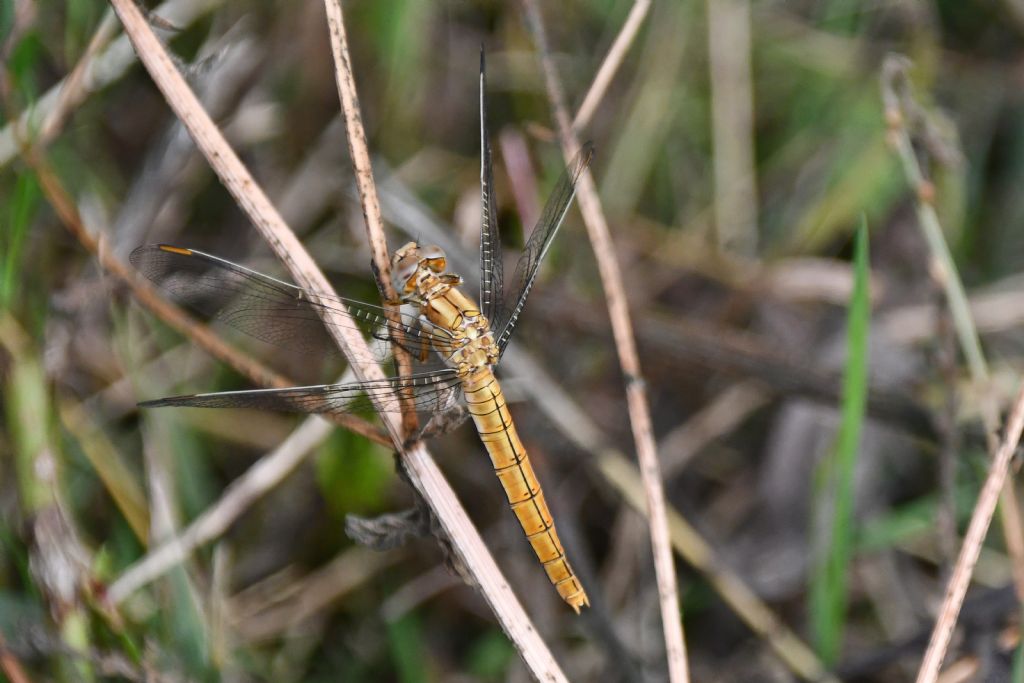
(489, 656)
(407, 650)
(835, 476)
(21, 212)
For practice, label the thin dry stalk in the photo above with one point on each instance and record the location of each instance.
(216, 519)
(622, 330)
(98, 70)
(261, 619)
(422, 470)
(994, 310)
(800, 658)
(576, 425)
(360, 156)
(118, 478)
(721, 415)
(971, 549)
(417, 591)
(611, 64)
(900, 111)
(732, 106)
(74, 90)
(522, 179)
(171, 314)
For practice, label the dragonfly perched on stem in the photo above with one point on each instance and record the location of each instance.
(447, 325)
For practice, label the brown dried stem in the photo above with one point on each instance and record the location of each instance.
(611, 64)
(732, 107)
(368, 199)
(171, 314)
(74, 90)
(971, 549)
(580, 429)
(216, 519)
(622, 330)
(900, 112)
(98, 68)
(422, 470)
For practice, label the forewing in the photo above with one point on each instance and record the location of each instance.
(491, 297)
(272, 310)
(537, 246)
(432, 392)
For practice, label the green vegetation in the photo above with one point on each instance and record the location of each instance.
(275, 590)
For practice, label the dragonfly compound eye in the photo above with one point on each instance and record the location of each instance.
(434, 258)
(402, 272)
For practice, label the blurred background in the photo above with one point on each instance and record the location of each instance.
(739, 146)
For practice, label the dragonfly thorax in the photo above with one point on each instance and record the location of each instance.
(419, 276)
(419, 272)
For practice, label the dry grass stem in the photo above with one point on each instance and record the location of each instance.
(578, 427)
(611, 64)
(422, 470)
(732, 106)
(75, 90)
(900, 112)
(995, 310)
(797, 655)
(215, 520)
(971, 548)
(368, 199)
(625, 344)
(118, 478)
(261, 615)
(721, 415)
(96, 69)
(153, 300)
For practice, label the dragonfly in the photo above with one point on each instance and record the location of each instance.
(464, 339)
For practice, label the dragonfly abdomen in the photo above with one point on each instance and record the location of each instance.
(486, 404)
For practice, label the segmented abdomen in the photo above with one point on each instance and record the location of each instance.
(487, 406)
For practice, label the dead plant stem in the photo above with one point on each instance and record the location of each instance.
(171, 314)
(360, 155)
(956, 590)
(611, 63)
(622, 330)
(900, 109)
(422, 470)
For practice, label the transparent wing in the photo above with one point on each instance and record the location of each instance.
(537, 246)
(431, 392)
(491, 296)
(271, 310)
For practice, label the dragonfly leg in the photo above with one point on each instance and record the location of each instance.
(445, 421)
(392, 529)
(389, 530)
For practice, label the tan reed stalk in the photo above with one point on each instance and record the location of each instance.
(422, 470)
(625, 344)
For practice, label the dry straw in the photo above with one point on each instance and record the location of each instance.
(625, 343)
(422, 470)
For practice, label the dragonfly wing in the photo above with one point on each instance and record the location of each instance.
(537, 246)
(272, 310)
(431, 392)
(491, 296)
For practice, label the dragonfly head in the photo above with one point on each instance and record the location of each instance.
(408, 263)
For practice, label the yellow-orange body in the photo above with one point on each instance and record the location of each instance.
(442, 302)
